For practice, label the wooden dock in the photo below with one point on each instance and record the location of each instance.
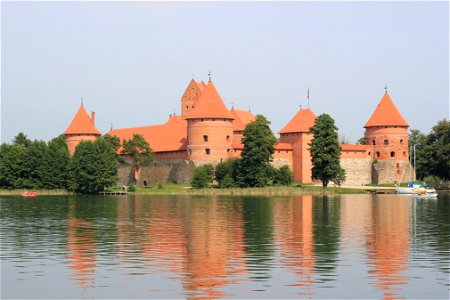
(121, 193)
(383, 191)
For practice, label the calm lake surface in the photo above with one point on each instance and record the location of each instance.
(348, 246)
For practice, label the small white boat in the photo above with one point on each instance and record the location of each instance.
(415, 189)
(426, 195)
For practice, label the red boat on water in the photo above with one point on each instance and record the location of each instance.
(29, 194)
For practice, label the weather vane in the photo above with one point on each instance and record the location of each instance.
(209, 75)
(81, 100)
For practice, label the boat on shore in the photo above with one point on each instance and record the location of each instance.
(415, 189)
(29, 194)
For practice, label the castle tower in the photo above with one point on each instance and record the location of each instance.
(209, 128)
(387, 133)
(190, 97)
(297, 132)
(82, 128)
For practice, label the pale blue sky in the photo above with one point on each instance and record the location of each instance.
(132, 61)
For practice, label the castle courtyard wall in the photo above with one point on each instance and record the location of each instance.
(358, 171)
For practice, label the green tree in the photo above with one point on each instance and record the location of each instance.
(138, 148)
(439, 141)
(283, 176)
(34, 165)
(325, 151)
(254, 168)
(203, 176)
(225, 172)
(362, 140)
(11, 165)
(93, 167)
(21, 139)
(57, 168)
(423, 153)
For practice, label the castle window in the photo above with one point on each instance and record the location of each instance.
(386, 142)
(190, 151)
(205, 138)
(404, 153)
(145, 183)
(228, 138)
(378, 153)
(228, 150)
(187, 106)
(398, 165)
(392, 154)
(369, 153)
(373, 142)
(208, 151)
(401, 142)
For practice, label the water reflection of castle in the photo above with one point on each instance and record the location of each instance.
(210, 244)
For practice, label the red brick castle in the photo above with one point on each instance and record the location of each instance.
(208, 132)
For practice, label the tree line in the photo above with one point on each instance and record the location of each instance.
(27, 164)
(432, 151)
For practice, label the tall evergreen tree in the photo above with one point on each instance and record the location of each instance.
(325, 151)
(254, 168)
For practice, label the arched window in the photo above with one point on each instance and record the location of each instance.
(205, 138)
(369, 153)
(208, 151)
(373, 142)
(401, 142)
(404, 153)
(392, 154)
(228, 138)
(386, 142)
(378, 153)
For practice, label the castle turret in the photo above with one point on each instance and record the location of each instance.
(387, 132)
(209, 128)
(82, 128)
(191, 96)
(297, 132)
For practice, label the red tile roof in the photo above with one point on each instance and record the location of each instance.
(301, 122)
(350, 147)
(386, 114)
(171, 136)
(82, 124)
(210, 105)
(241, 118)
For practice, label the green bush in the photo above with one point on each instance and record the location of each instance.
(433, 181)
(131, 188)
(203, 176)
(282, 176)
(225, 173)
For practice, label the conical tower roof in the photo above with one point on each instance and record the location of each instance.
(82, 124)
(210, 105)
(301, 122)
(386, 114)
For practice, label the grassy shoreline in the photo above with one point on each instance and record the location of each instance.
(180, 189)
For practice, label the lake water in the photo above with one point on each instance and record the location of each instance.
(348, 246)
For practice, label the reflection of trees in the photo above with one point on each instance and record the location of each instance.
(326, 213)
(257, 212)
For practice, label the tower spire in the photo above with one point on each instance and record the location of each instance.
(209, 75)
(307, 97)
(385, 88)
(81, 100)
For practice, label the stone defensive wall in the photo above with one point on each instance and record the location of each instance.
(179, 171)
(358, 171)
(391, 171)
